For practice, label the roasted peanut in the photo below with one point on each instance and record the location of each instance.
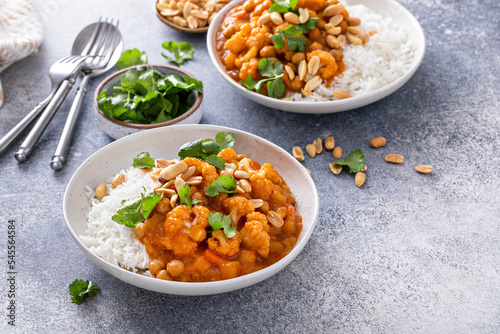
(101, 190)
(336, 169)
(297, 153)
(394, 158)
(117, 180)
(378, 142)
(337, 152)
(424, 169)
(341, 94)
(318, 143)
(311, 150)
(359, 179)
(329, 143)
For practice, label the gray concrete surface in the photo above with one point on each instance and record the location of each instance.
(407, 253)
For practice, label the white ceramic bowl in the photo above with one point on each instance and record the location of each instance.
(391, 8)
(118, 129)
(165, 142)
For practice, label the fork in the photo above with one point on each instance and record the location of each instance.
(58, 73)
(65, 73)
(108, 47)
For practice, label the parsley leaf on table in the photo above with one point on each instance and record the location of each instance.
(144, 160)
(292, 35)
(355, 161)
(185, 196)
(138, 211)
(132, 57)
(219, 221)
(79, 290)
(182, 51)
(207, 149)
(223, 184)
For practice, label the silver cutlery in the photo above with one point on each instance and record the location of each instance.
(110, 51)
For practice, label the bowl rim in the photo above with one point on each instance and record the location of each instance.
(191, 288)
(319, 107)
(173, 121)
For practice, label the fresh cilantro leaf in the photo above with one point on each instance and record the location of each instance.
(274, 72)
(144, 160)
(355, 161)
(207, 149)
(182, 51)
(292, 35)
(225, 140)
(137, 212)
(219, 221)
(269, 69)
(80, 290)
(283, 6)
(223, 184)
(275, 88)
(132, 57)
(308, 25)
(185, 195)
(216, 161)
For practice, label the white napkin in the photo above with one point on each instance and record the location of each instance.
(20, 32)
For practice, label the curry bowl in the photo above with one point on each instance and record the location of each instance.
(119, 155)
(384, 8)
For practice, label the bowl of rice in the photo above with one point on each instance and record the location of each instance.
(115, 248)
(374, 70)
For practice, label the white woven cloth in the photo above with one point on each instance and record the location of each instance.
(20, 32)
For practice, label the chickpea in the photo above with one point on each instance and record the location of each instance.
(298, 57)
(155, 266)
(289, 55)
(265, 207)
(267, 51)
(249, 6)
(163, 206)
(175, 268)
(140, 230)
(163, 274)
(281, 211)
(229, 32)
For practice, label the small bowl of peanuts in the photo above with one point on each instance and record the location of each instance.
(192, 16)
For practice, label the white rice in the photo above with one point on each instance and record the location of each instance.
(385, 58)
(111, 241)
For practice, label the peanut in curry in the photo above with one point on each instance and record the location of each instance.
(178, 239)
(307, 40)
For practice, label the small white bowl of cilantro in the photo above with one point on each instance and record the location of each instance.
(145, 97)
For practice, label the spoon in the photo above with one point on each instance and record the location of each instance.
(103, 65)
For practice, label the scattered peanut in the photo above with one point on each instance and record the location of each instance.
(329, 143)
(394, 158)
(101, 190)
(117, 180)
(424, 169)
(275, 219)
(337, 152)
(359, 179)
(341, 94)
(364, 168)
(336, 169)
(311, 150)
(318, 143)
(298, 154)
(378, 142)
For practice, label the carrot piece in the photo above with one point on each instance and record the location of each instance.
(213, 258)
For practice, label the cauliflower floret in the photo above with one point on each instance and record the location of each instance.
(224, 246)
(241, 207)
(254, 234)
(182, 232)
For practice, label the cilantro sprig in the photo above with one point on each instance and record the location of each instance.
(219, 221)
(207, 149)
(143, 160)
(138, 211)
(283, 6)
(223, 184)
(182, 51)
(185, 196)
(273, 72)
(354, 162)
(132, 57)
(80, 290)
(292, 34)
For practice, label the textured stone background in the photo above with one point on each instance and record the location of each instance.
(407, 253)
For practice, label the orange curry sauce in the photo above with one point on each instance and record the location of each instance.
(182, 248)
(242, 41)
